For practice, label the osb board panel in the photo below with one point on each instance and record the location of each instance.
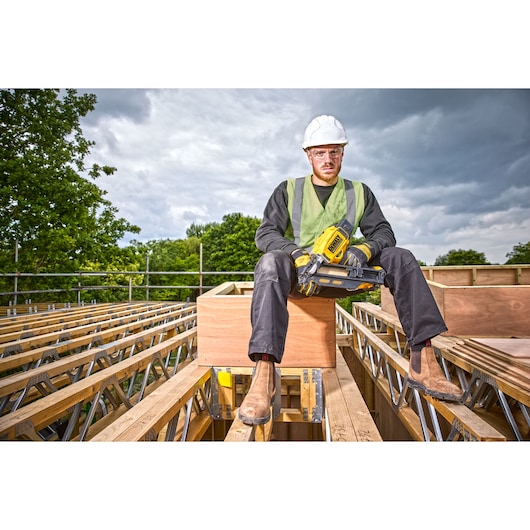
(223, 332)
(487, 311)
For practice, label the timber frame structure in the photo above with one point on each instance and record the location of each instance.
(134, 371)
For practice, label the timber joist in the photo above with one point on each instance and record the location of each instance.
(423, 417)
(17, 388)
(36, 311)
(30, 341)
(178, 410)
(83, 408)
(328, 397)
(26, 327)
(148, 386)
(497, 387)
(146, 383)
(75, 314)
(15, 358)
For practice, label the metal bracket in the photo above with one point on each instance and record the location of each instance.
(316, 416)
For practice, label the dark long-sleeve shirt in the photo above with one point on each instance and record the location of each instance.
(271, 233)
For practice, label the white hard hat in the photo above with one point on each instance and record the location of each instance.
(324, 130)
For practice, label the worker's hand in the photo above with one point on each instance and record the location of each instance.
(301, 260)
(308, 288)
(357, 255)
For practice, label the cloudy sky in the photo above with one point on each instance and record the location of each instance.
(450, 167)
(434, 97)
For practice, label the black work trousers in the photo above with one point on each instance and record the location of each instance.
(275, 280)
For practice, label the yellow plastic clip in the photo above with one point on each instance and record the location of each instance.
(225, 379)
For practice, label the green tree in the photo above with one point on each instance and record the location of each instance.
(48, 202)
(195, 230)
(519, 254)
(178, 255)
(123, 260)
(229, 246)
(462, 257)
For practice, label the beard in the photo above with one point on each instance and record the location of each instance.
(327, 174)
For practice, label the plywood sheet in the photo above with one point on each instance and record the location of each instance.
(483, 311)
(519, 348)
(224, 329)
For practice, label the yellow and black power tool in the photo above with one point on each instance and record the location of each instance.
(325, 269)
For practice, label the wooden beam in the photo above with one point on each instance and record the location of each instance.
(52, 407)
(158, 408)
(469, 421)
(345, 409)
(239, 431)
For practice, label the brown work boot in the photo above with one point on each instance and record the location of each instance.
(256, 407)
(429, 378)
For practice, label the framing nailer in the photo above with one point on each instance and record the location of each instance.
(325, 269)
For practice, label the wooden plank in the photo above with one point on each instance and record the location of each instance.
(469, 421)
(347, 414)
(478, 274)
(473, 425)
(64, 347)
(511, 379)
(336, 411)
(344, 339)
(45, 326)
(508, 378)
(18, 381)
(158, 408)
(47, 310)
(116, 413)
(50, 408)
(517, 348)
(263, 433)
(239, 431)
(197, 428)
(453, 277)
(357, 408)
(83, 330)
(55, 322)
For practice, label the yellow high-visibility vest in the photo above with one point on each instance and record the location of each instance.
(309, 218)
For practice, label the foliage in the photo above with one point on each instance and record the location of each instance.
(229, 246)
(167, 255)
(462, 257)
(519, 254)
(373, 297)
(197, 231)
(124, 260)
(60, 218)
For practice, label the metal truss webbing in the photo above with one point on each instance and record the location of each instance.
(421, 415)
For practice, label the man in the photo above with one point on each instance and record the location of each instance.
(295, 215)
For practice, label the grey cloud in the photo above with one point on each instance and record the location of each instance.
(420, 138)
(128, 103)
(444, 162)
